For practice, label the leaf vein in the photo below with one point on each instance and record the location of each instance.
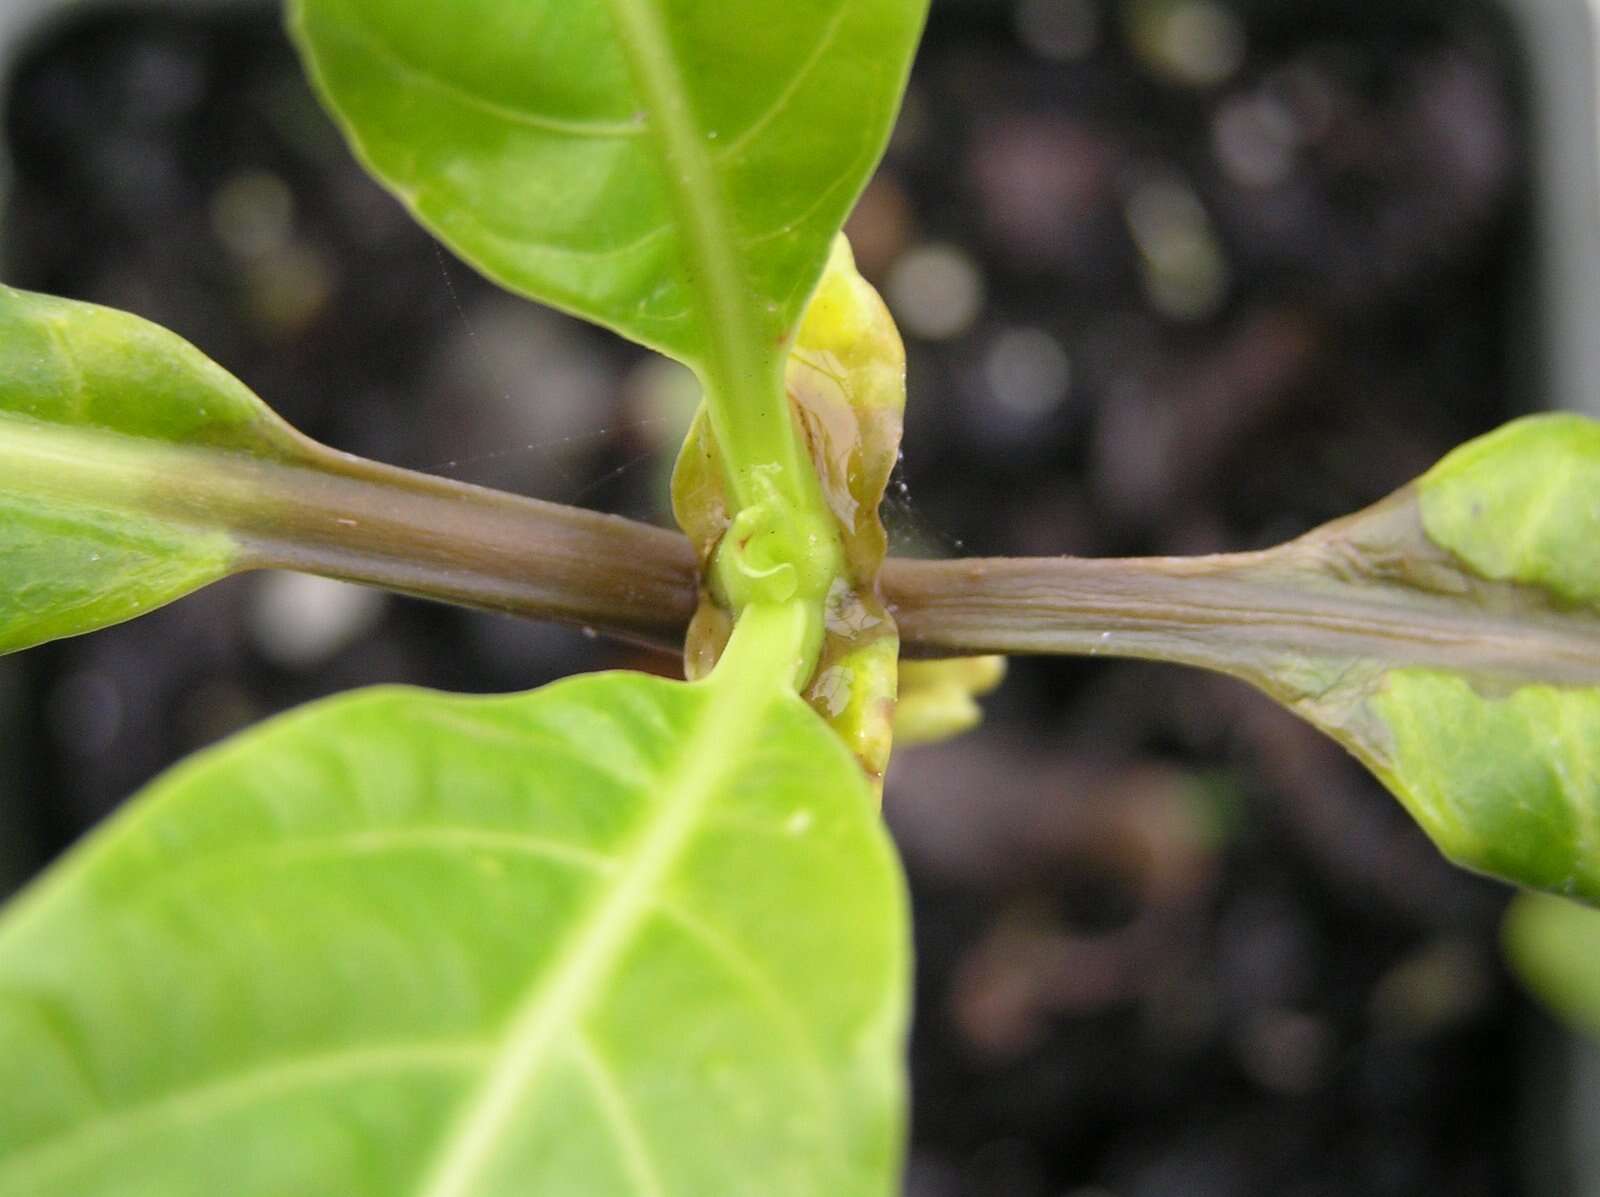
(738, 358)
(756, 979)
(218, 1096)
(796, 81)
(559, 126)
(441, 836)
(637, 1157)
(554, 1000)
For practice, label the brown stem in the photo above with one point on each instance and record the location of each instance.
(1325, 597)
(359, 521)
(1240, 614)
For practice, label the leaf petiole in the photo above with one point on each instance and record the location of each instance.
(772, 644)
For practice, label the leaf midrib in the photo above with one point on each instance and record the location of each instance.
(706, 758)
(740, 368)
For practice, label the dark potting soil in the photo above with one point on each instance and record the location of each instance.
(1175, 278)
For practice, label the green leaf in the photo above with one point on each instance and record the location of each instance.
(619, 936)
(1554, 945)
(133, 470)
(673, 169)
(1506, 783)
(1505, 774)
(1523, 505)
(1503, 771)
(1447, 636)
(104, 419)
(1470, 675)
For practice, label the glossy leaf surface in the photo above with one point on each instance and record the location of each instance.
(103, 417)
(673, 169)
(619, 936)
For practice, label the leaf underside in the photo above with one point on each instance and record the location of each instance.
(573, 942)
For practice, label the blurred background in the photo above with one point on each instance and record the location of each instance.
(1175, 276)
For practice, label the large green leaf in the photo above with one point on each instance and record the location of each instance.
(673, 169)
(619, 936)
(103, 420)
